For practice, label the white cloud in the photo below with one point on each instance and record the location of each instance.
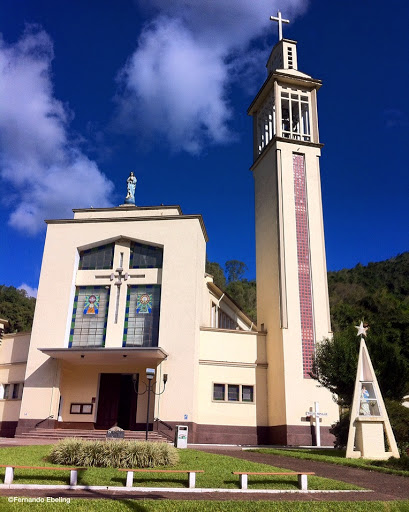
(174, 86)
(31, 292)
(47, 174)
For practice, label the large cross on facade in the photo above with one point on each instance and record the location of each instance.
(280, 21)
(120, 277)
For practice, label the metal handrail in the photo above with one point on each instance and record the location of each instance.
(45, 419)
(164, 423)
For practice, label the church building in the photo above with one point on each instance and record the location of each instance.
(119, 302)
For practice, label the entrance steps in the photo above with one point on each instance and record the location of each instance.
(64, 433)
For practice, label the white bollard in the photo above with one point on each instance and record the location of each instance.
(303, 482)
(192, 480)
(243, 481)
(73, 477)
(9, 475)
(129, 478)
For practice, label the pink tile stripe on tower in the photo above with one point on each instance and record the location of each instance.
(304, 267)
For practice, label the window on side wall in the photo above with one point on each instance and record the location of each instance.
(11, 391)
(233, 393)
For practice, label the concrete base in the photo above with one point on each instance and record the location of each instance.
(369, 440)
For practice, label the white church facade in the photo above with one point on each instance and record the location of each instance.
(124, 289)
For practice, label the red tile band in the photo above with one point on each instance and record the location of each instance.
(304, 266)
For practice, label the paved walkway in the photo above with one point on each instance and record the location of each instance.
(385, 487)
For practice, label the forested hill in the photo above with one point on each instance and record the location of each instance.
(17, 308)
(378, 292)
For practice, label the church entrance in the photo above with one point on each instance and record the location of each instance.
(117, 401)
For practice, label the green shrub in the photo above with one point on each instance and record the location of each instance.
(115, 454)
(340, 431)
(401, 463)
(399, 418)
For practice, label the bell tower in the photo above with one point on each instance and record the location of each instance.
(292, 290)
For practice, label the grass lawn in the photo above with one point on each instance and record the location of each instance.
(218, 469)
(333, 457)
(81, 505)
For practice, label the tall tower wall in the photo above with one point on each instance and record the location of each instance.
(292, 290)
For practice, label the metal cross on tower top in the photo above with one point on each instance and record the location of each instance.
(280, 24)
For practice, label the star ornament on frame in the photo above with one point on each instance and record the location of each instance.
(361, 329)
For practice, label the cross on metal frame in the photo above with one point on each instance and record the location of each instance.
(315, 416)
(280, 21)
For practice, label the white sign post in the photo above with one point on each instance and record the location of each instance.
(315, 416)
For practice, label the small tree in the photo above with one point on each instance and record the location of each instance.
(335, 365)
(235, 270)
(216, 271)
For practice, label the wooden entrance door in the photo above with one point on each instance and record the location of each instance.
(116, 402)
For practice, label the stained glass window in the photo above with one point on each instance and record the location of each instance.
(88, 329)
(145, 256)
(97, 258)
(142, 316)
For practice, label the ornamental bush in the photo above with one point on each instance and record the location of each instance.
(113, 454)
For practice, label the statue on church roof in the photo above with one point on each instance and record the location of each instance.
(130, 186)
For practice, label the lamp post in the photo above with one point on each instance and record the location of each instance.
(150, 374)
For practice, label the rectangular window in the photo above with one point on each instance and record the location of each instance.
(218, 392)
(225, 322)
(101, 257)
(266, 123)
(295, 119)
(89, 317)
(81, 409)
(247, 393)
(11, 391)
(142, 316)
(233, 393)
(6, 391)
(16, 389)
(145, 256)
(213, 315)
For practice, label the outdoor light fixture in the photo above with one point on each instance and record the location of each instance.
(150, 373)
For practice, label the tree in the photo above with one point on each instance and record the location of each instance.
(335, 364)
(17, 308)
(216, 271)
(244, 294)
(235, 270)
(336, 359)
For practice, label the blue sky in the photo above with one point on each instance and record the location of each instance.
(92, 90)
